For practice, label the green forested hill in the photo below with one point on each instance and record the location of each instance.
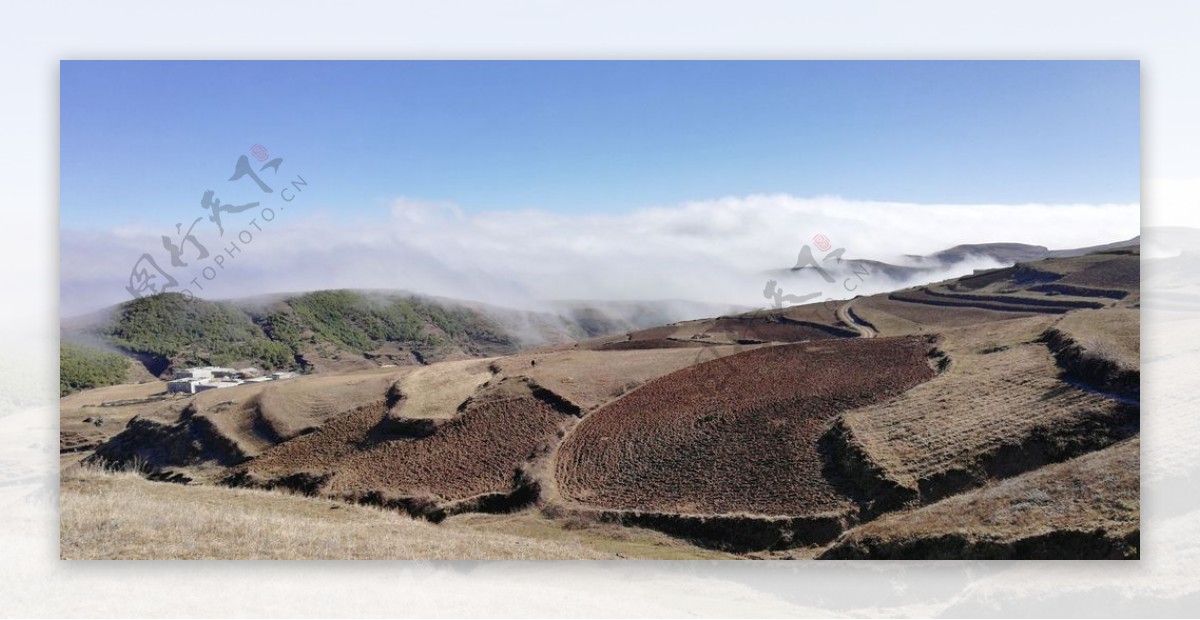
(344, 329)
(82, 367)
(169, 330)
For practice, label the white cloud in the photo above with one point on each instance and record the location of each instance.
(713, 250)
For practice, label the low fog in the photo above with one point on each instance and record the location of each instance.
(719, 252)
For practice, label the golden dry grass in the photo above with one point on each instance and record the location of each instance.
(437, 390)
(75, 434)
(1112, 332)
(898, 318)
(1092, 495)
(122, 516)
(985, 400)
(119, 515)
(257, 416)
(292, 405)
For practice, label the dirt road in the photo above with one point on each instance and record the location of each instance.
(846, 316)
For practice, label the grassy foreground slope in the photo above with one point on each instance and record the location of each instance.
(106, 515)
(121, 515)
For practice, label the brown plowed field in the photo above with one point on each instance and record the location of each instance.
(477, 452)
(734, 435)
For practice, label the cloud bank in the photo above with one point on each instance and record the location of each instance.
(711, 251)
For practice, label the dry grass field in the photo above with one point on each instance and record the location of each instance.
(437, 391)
(896, 317)
(998, 409)
(1111, 332)
(1086, 508)
(293, 406)
(90, 417)
(107, 515)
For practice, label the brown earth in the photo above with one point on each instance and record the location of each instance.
(360, 456)
(590, 378)
(734, 435)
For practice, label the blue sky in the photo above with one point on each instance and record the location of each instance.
(142, 141)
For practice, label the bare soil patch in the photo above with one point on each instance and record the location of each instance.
(735, 435)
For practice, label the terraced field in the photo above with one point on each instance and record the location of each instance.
(292, 407)
(1051, 286)
(994, 415)
(478, 453)
(774, 329)
(233, 424)
(1004, 303)
(998, 410)
(1120, 273)
(590, 378)
(896, 317)
(795, 324)
(734, 435)
(1113, 332)
(648, 343)
(1085, 508)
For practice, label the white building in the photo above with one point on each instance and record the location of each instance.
(204, 372)
(184, 386)
(215, 385)
(193, 380)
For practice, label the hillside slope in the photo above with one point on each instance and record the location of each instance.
(990, 415)
(319, 331)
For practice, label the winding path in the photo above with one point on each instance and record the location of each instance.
(846, 316)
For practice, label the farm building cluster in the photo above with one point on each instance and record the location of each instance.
(193, 380)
